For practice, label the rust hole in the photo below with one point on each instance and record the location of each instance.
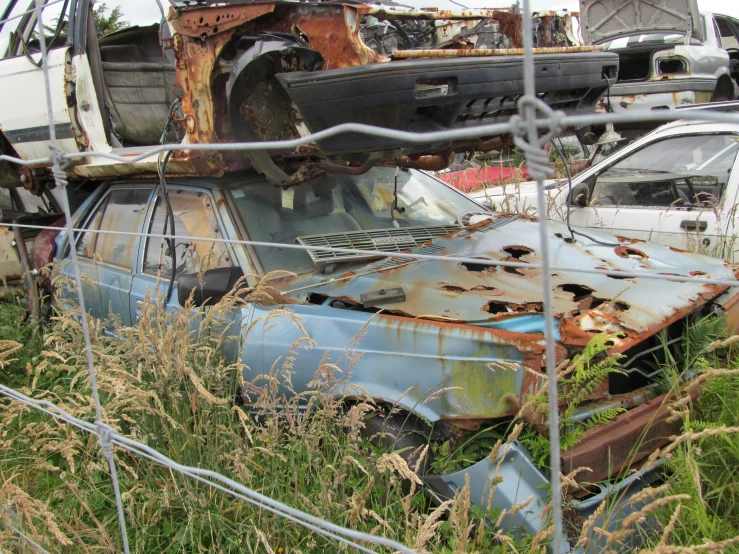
(628, 252)
(698, 273)
(483, 288)
(513, 270)
(578, 291)
(453, 288)
(470, 266)
(496, 307)
(621, 306)
(518, 252)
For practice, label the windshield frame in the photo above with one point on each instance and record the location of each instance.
(254, 179)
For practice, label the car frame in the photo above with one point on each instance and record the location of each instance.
(420, 315)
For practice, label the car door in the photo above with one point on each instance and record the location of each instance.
(106, 259)
(24, 117)
(194, 216)
(672, 191)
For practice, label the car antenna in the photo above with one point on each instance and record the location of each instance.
(572, 238)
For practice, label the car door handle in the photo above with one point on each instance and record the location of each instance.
(692, 225)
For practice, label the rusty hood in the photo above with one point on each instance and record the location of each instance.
(604, 20)
(511, 298)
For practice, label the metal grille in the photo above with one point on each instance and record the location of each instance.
(387, 240)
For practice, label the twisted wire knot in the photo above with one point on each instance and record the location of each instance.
(104, 436)
(58, 164)
(537, 159)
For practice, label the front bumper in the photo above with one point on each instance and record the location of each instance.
(435, 94)
(519, 479)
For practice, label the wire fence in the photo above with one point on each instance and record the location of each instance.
(534, 125)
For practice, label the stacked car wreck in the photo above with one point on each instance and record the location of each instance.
(275, 71)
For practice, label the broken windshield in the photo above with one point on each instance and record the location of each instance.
(336, 203)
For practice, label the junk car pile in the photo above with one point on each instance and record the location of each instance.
(220, 72)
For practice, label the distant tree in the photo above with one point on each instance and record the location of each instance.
(108, 21)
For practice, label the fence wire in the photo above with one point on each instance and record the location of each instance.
(534, 117)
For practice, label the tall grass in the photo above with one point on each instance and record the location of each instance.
(167, 383)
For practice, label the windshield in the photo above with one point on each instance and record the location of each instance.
(336, 203)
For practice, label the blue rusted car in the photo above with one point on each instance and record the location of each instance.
(432, 331)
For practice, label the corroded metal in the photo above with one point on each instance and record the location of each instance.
(472, 52)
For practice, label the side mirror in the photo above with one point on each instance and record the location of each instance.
(215, 284)
(580, 195)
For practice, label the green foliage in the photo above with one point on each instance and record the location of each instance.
(14, 329)
(586, 373)
(108, 21)
(450, 458)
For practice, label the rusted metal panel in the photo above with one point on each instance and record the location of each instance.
(204, 22)
(623, 442)
(408, 54)
(432, 13)
(331, 30)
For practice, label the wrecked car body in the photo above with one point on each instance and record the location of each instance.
(455, 340)
(670, 54)
(676, 186)
(225, 72)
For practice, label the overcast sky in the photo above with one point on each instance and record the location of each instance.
(147, 11)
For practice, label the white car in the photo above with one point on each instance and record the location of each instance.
(678, 186)
(669, 55)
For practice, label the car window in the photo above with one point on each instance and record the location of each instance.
(24, 29)
(728, 34)
(335, 203)
(12, 10)
(679, 171)
(122, 210)
(193, 217)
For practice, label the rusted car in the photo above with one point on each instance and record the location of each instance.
(216, 72)
(670, 53)
(427, 336)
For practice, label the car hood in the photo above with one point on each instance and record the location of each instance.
(604, 20)
(511, 298)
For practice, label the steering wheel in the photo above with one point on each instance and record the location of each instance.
(464, 219)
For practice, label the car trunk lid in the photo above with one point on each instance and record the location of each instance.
(604, 20)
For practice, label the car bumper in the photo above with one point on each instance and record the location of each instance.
(439, 93)
(520, 480)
